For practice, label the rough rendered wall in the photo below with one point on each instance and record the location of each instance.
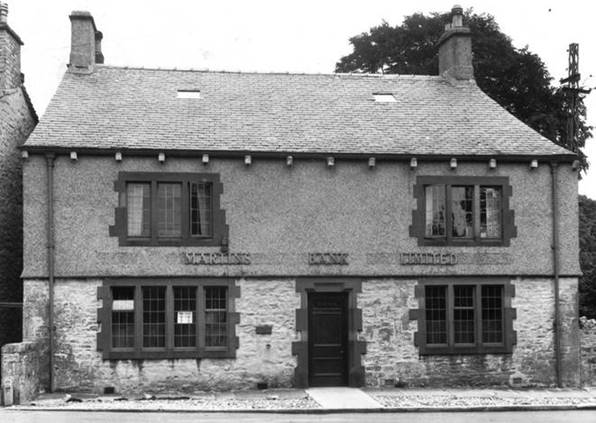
(16, 123)
(392, 357)
(280, 214)
(79, 366)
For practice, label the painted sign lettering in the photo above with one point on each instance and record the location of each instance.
(441, 259)
(328, 258)
(211, 259)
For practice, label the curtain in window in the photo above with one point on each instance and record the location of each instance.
(435, 210)
(137, 195)
(200, 209)
(490, 212)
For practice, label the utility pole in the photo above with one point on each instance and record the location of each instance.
(573, 90)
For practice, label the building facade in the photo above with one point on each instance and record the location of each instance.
(17, 120)
(213, 230)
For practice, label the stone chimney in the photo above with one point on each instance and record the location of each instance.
(85, 47)
(455, 48)
(10, 53)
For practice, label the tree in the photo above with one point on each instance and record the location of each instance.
(515, 78)
(587, 258)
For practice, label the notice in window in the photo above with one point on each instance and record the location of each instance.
(123, 305)
(184, 317)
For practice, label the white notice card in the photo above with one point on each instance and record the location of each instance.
(184, 317)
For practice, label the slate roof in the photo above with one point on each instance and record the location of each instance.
(131, 108)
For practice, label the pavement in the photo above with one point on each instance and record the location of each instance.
(342, 398)
(325, 400)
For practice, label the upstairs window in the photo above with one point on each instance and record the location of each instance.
(169, 209)
(462, 211)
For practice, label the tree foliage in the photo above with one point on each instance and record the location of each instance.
(587, 258)
(515, 78)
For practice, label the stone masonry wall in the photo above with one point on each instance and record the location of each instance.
(79, 366)
(588, 351)
(392, 357)
(10, 60)
(20, 364)
(16, 123)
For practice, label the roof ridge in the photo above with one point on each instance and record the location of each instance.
(239, 72)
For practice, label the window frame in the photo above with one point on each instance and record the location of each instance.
(418, 227)
(219, 228)
(200, 350)
(478, 347)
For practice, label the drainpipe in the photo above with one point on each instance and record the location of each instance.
(555, 248)
(50, 157)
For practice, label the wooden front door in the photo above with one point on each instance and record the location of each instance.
(327, 339)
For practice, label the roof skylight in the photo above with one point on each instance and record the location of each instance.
(189, 94)
(384, 98)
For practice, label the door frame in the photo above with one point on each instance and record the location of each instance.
(352, 286)
(344, 329)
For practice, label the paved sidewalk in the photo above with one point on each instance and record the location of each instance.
(311, 401)
(342, 398)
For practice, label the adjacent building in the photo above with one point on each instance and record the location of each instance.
(220, 230)
(17, 120)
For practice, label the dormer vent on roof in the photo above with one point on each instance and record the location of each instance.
(384, 98)
(188, 94)
(455, 48)
(85, 47)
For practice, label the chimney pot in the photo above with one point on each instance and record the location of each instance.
(3, 13)
(85, 50)
(10, 53)
(457, 16)
(455, 48)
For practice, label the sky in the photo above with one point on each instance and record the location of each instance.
(306, 36)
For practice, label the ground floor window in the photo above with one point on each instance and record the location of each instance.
(176, 318)
(464, 316)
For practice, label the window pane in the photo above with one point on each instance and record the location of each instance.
(138, 203)
(216, 333)
(435, 210)
(154, 316)
(463, 314)
(462, 199)
(123, 317)
(490, 212)
(185, 306)
(436, 314)
(169, 198)
(492, 313)
(200, 209)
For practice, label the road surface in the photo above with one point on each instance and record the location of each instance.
(13, 416)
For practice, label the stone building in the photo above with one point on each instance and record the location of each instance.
(218, 230)
(17, 120)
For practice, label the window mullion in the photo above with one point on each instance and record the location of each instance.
(185, 210)
(201, 317)
(169, 318)
(478, 315)
(448, 217)
(138, 320)
(476, 212)
(153, 212)
(450, 317)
